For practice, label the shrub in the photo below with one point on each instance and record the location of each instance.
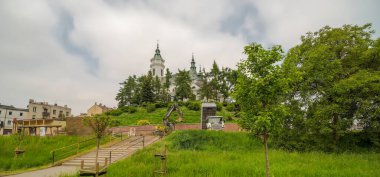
(161, 105)
(132, 109)
(194, 105)
(230, 107)
(115, 123)
(124, 108)
(150, 108)
(114, 112)
(143, 122)
(219, 106)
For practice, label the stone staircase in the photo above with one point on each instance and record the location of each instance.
(115, 152)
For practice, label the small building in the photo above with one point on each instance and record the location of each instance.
(9, 114)
(97, 109)
(208, 109)
(40, 127)
(44, 110)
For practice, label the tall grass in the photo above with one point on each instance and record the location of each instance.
(221, 154)
(37, 150)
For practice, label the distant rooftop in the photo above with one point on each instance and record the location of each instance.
(12, 108)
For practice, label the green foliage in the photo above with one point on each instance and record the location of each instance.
(156, 116)
(194, 105)
(132, 109)
(182, 85)
(143, 122)
(37, 150)
(114, 112)
(201, 140)
(230, 107)
(98, 123)
(150, 108)
(334, 76)
(219, 106)
(235, 154)
(147, 88)
(114, 123)
(260, 89)
(161, 104)
(125, 94)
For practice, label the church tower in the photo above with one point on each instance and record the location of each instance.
(193, 69)
(157, 64)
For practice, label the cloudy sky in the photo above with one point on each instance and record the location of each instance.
(76, 52)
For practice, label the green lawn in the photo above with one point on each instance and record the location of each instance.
(155, 117)
(220, 154)
(37, 150)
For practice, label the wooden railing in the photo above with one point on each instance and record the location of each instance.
(136, 141)
(74, 149)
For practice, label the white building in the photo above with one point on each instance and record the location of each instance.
(157, 67)
(157, 64)
(8, 114)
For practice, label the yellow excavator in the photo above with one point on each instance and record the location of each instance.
(165, 120)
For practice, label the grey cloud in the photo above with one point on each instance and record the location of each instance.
(62, 32)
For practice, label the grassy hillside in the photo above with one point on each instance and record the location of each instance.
(220, 154)
(156, 116)
(37, 150)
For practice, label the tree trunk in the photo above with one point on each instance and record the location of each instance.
(266, 154)
(97, 150)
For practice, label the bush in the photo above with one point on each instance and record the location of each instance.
(143, 122)
(194, 105)
(115, 123)
(132, 109)
(114, 112)
(219, 106)
(150, 108)
(230, 107)
(124, 108)
(161, 105)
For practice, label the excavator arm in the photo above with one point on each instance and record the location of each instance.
(165, 120)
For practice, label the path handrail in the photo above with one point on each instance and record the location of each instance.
(141, 137)
(54, 155)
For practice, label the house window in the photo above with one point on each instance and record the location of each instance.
(21, 113)
(34, 109)
(9, 122)
(154, 71)
(10, 113)
(162, 72)
(0, 111)
(34, 117)
(67, 114)
(54, 111)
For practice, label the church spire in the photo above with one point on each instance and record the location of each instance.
(192, 67)
(158, 49)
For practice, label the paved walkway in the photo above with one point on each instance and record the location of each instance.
(118, 151)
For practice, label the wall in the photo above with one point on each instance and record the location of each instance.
(74, 126)
(149, 129)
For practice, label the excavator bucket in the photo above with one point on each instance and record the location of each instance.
(180, 119)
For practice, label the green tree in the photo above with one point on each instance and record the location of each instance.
(329, 89)
(215, 81)
(183, 85)
(168, 76)
(147, 88)
(157, 87)
(98, 124)
(260, 91)
(205, 91)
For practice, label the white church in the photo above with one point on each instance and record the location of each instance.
(157, 67)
